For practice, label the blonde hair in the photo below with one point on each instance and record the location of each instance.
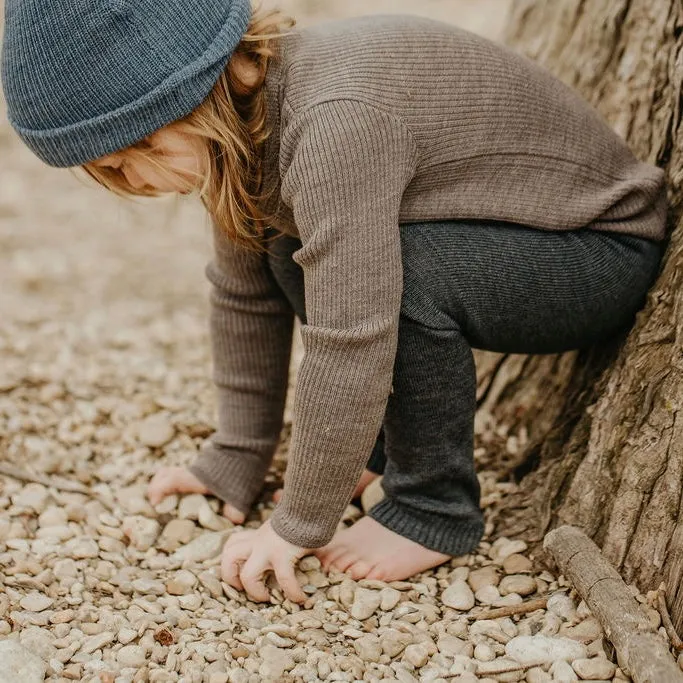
(231, 127)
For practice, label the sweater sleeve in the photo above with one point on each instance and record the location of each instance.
(251, 326)
(347, 165)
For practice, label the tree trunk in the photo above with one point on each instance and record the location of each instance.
(602, 430)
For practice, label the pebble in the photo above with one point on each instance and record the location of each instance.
(486, 576)
(562, 672)
(517, 583)
(36, 602)
(502, 548)
(155, 431)
(131, 656)
(540, 649)
(20, 664)
(417, 654)
(149, 587)
(365, 603)
(141, 531)
(458, 596)
(597, 668)
(368, 648)
(517, 564)
(190, 505)
(487, 595)
(394, 642)
(97, 642)
(32, 496)
(82, 548)
(561, 605)
(181, 583)
(204, 547)
(176, 533)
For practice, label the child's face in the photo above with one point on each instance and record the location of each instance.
(175, 149)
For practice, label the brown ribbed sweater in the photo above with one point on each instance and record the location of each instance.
(380, 120)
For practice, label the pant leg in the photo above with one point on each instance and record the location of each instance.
(494, 286)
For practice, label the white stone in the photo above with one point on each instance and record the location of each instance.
(539, 649)
(36, 602)
(155, 431)
(517, 583)
(181, 582)
(458, 596)
(97, 642)
(126, 635)
(189, 506)
(504, 547)
(561, 605)
(208, 519)
(149, 587)
(32, 496)
(365, 603)
(204, 547)
(132, 656)
(484, 653)
(368, 648)
(141, 531)
(53, 516)
(597, 668)
(538, 675)
(82, 548)
(20, 664)
(417, 654)
(394, 642)
(487, 595)
(562, 672)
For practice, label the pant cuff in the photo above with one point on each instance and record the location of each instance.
(436, 532)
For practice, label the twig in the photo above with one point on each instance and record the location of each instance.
(59, 484)
(643, 653)
(676, 642)
(511, 610)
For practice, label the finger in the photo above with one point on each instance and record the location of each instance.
(233, 514)
(252, 577)
(232, 559)
(170, 480)
(277, 495)
(285, 574)
(240, 537)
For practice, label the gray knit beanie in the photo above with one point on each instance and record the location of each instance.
(85, 78)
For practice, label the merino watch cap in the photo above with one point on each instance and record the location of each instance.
(86, 78)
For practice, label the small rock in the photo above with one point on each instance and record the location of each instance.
(597, 668)
(141, 531)
(181, 583)
(452, 645)
(149, 587)
(562, 672)
(96, 642)
(208, 519)
(276, 662)
(484, 653)
(561, 605)
(368, 648)
(36, 602)
(132, 656)
(20, 664)
(486, 576)
(585, 632)
(538, 675)
(53, 516)
(458, 596)
(189, 506)
(487, 595)
(82, 548)
(126, 635)
(417, 654)
(539, 649)
(504, 547)
(365, 603)
(517, 564)
(155, 431)
(394, 642)
(204, 547)
(176, 533)
(517, 583)
(390, 598)
(32, 496)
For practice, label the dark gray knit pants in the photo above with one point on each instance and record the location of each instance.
(487, 285)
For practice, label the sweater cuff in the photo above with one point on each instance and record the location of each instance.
(234, 476)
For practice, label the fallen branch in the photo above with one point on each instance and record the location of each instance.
(59, 484)
(641, 651)
(511, 610)
(676, 642)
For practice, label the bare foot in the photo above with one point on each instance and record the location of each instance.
(170, 480)
(365, 479)
(368, 550)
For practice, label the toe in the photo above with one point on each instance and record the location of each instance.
(344, 561)
(233, 514)
(358, 570)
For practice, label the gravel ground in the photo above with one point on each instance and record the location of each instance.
(104, 376)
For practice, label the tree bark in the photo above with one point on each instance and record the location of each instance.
(602, 430)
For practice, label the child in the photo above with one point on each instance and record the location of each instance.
(408, 189)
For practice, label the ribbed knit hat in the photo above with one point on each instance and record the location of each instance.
(85, 78)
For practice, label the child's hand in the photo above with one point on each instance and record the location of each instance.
(170, 480)
(248, 555)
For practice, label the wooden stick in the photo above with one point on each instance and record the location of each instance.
(59, 484)
(521, 608)
(641, 651)
(676, 642)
